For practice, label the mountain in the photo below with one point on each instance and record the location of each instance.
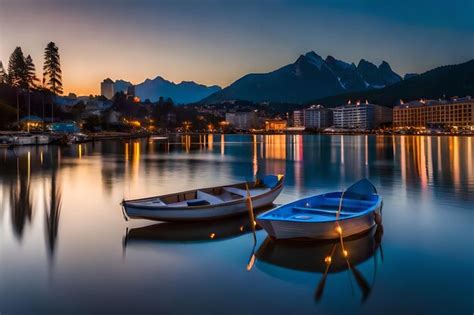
(377, 77)
(441, 82)
(309, 77)
(409, 75)
(181, 93)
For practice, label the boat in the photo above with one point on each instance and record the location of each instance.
(159, 138)
(206, 203)
(326, 216)
(70, 138)
(30, 139)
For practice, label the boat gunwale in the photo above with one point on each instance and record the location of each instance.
(126, 204)
(365, 212)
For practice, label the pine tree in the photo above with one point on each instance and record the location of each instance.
(31, 72)
(52, 69)
(3, 75)
(17, 72)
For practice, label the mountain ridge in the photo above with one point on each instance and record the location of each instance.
(309, 77)
(183, 92)
(441, 82)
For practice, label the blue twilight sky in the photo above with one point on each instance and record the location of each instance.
(216, 42)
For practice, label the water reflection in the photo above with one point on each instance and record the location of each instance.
(52, 212)
(204, 231)
(60, 205)
(325, 258)
(21, 203)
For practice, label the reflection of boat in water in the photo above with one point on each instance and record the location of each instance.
(310, 256)
(207, 203)
(324, 257)
(202, 231)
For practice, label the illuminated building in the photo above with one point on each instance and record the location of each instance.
(361, 116)
(107, 88)
(275, 125)
(298, 118)
(457, 112)
(317, 117)
(242, 120)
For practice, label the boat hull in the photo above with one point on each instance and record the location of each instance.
(318, 230)
(202, 213)
(31, 140)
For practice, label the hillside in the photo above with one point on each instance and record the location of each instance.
(445, 81)
(309, 77)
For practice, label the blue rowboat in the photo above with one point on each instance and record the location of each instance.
(326, 216)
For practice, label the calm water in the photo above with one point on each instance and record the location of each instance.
(65, 247)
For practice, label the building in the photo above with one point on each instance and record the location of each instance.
(107, 88)
(241, 120)
(275, 125)
(131, 91)
(454, 113)
(318, 117)
(361, 116)
(298, 118)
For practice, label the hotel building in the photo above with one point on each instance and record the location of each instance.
(242, 120)
(298, 118)
(318, 117)
(275, 125)
(457, 112)
(361, 116)
(107, 88)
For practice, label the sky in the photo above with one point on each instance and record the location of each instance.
(218, 41)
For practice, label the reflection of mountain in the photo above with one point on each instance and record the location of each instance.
(324, 257)
(190, 231)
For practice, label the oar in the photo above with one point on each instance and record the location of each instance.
(248, 202)
(322, 282)
(124, 243)
(361, 282)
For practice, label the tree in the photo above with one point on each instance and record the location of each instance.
(52, 69)
(3, 75)
(17, 72)
(30, 72)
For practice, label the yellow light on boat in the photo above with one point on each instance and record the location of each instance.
(251, 263)
(212, 235)
(345, 253)
(242, 228)
(254, 223)
(327, 259)
(339, 229)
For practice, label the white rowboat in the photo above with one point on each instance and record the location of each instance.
(207, 203)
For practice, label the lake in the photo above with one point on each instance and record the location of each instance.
(66, 248)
